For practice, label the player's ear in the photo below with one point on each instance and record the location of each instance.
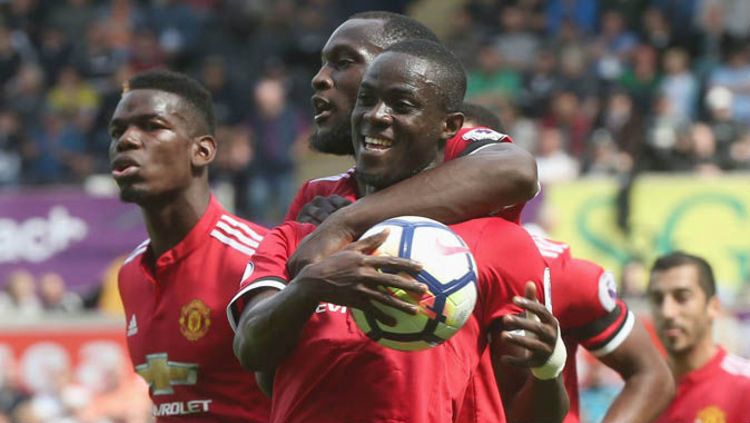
(713, 307)
(204, 151)
(452, 124)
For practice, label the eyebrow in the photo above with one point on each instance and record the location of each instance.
(136, 118)
(339, 49)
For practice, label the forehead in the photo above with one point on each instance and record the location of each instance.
(683, 277)
(148, 102)
(363, 35)
(400, 68)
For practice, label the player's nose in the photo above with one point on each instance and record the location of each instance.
(379, 115)
(322, 80)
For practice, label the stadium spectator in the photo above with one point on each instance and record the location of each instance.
(146, 52)
(20, 298)
(229, 103)
(94, 56)
(726, 129)
(56, 151)
(624, 121)
(10, 58)
(11, 143)
(553, 162)
(72, 96)
(26, 95)
(55, 297)
(657, 31)
(540, 84)
(73, 16)
(55, 51)
(492, 77)
(515, 43)
(567, 114)
(684, 305)
(734, 74)
(678, 85)
(276, 127)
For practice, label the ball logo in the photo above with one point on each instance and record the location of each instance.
(195, 320)
(608, 291)
(450, 250)
(711, 414)
(480, 134)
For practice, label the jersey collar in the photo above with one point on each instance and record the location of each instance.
(195, 238)
(708, 369)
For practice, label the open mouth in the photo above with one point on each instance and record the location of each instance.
(377, 144)
(322, 108)
(123, 167)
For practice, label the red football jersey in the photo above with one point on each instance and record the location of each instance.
(343, 185)
(718, 392)
(470, 140)
(583, 298)
(178, 337)
(465, 142)
(337, 374)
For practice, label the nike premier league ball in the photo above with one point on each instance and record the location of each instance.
(449, 271)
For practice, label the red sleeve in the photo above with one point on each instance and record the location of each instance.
(507, 259)
(588, 307)
(298, 202)
(267, 268)
(468, 140)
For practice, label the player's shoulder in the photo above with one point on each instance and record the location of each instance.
(470, 140)
(288, 235)
(480, 133)
(325, 185)
(738, 367)
(138, 251)
(235, 234)
(550, 249)
(495, 236)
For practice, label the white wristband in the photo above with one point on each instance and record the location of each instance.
(555, 363)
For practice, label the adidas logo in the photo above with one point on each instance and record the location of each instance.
(132, 326)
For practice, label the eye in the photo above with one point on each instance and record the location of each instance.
(365, 98)
(343, 63)
(115, 133)
(655, 299)
(150, 125)
(403, 106)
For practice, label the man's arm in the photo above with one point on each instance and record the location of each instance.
(477, 185)
(492, 178)
(272, 320)
(528, 366)
(649, 386)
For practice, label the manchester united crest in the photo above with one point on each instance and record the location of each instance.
(195, 320)
(711, 414)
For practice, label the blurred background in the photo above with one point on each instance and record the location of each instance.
(637, 111)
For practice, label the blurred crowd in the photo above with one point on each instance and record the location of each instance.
(591, 87)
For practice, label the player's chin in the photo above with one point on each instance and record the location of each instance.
(373, 178)
(130, 193)
(332, 140)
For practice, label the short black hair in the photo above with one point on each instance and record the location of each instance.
(397, 28)
(678, 258)
(182, 85)
(449, 70)
(482, 115)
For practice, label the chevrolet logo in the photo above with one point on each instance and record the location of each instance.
(161, 374)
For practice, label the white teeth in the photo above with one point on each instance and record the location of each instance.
(378, 141)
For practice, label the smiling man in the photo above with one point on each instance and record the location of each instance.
(482, 180)
(175, 286)
(298, 325)
(713, 386)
